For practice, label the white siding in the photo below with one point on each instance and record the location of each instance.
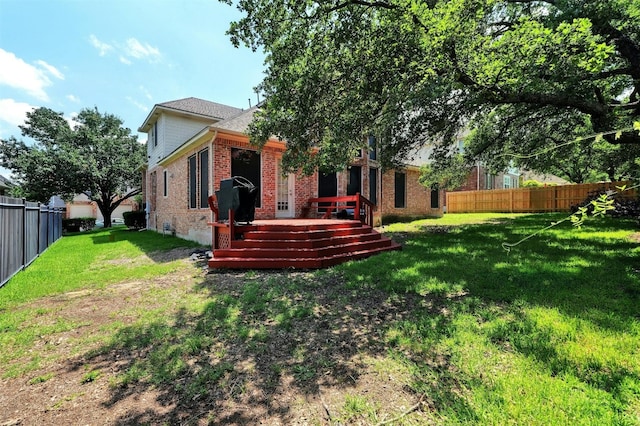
(177, 130)
(156, 153)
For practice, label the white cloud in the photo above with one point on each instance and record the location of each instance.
(103, 48)
(131, 49)
(13, 112)
(137, 104)
(138, 50)
(18, 74)
(73, 98)
(51, 69)
(145, 92)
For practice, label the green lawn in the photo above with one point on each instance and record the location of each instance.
(548, 333)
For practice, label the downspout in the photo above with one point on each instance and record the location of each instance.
(212, 147)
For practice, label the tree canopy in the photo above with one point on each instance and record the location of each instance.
(97, 157)
(521, 76)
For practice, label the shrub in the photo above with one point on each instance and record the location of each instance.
(78, 224)
(627, 208)
(135, 219)
(531, 183)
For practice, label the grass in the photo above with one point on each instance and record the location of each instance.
(91, 260)
(547, 333)
(79, 262)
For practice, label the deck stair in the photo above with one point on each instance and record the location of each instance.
(304, 244)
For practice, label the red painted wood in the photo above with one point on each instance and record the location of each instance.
(304, 244)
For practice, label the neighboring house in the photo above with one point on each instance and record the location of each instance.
(82, 206)
(5, 185)
(480, 178)
(544, 178)
(193, 144)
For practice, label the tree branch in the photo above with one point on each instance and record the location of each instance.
(544, 99)
(374, 4)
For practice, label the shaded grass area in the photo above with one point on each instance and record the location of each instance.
(545, 334)
(78, 262)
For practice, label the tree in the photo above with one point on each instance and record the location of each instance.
(98, 157)
(520, 74)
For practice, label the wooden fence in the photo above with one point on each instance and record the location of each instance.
(26, 230)
(530, 200)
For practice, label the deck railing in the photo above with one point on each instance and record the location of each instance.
(356, 206)
(350, 206)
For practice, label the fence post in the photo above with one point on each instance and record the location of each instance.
(24, 232)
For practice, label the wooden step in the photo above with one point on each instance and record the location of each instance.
(292, 253)
(313, 234)
(299, 263)
(300, 244)
(275, 227)
(307, 243)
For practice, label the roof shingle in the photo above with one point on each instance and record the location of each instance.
(202, 107)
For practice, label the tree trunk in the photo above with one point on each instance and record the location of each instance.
(106, 211)
(107, 220)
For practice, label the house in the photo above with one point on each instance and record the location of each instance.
(193, 144)
(481, 178)
(82, 206)
(5, 185)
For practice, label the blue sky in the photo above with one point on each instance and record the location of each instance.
(121, 56)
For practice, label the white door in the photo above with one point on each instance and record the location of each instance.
(285, 197)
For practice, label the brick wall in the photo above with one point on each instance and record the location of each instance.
(173, 209)
(417, 199)
(192, 223)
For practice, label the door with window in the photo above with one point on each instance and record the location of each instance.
(285, 193)
(327, 187)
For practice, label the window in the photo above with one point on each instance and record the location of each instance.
(373, 186)
(435, 197)
(507, 182)
(165, 181)
(372, 148)
(246, 163)
(488, 181)
(461, 146)
(354, 185)
(400, 190)
(199, 180)
(154, 134)
(203, 163)
(193, 182)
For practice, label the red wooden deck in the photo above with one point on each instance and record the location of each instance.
(296, 243)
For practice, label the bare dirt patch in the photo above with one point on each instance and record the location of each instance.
(297, 369)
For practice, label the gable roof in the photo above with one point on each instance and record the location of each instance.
(5, 183)
(238, 123)
(191, 107)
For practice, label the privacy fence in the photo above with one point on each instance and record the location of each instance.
(531, 200)
(26, 230)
